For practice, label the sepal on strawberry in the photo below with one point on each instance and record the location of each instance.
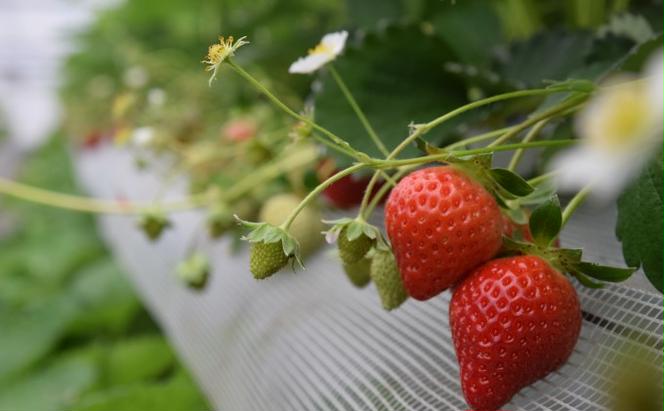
(153, 223)
(385, 274)
(545, 225)
(194, 271)
(354, 238)
(272, 248)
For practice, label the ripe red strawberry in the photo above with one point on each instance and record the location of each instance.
(514, 320)
(441, 224)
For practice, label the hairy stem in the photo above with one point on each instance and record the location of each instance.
(275, 100)
(322, 186)
(574, 203)
(532, 134)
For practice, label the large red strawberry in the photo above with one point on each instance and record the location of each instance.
(514, 320)
(441, 224)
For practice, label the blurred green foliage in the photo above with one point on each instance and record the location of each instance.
(73, 335)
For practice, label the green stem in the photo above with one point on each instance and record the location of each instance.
(358, 111)
(532, 134)
(91, 205)
(548, 114)
(333, 137)
(322, 186)
(421, 129)
(541, 178)
(382, 191)
(296, 159)
(574, 203)
(381, 164)
(479, 138)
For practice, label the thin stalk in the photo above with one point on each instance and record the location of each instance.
(275, 100)
(358, 111)
(548, 114)
(322, 186)
(532, 134)
(382, 191)
(381, 164)
(574, 203)
(421, 129)
(541, 178)
(91, 205)
(479, 138)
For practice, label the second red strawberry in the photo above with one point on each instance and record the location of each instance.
(442, 224)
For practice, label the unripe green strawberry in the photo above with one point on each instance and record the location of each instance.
(153, 224)
(194, 271)
(385, 274)
(306, 227)
(352, 251)
(266, 259)
(358, 272)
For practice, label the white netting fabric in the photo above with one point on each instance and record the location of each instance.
(310, 341)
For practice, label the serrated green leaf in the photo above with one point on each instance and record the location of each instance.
(639, 226)
(605, 273)
(545, 222)
(511, 182)
(396, 79)
(518, 215)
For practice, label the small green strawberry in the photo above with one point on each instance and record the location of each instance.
(194, 271)
(153, 223)
(352, 251)
(266, 259)
(358, 272)
(385, 274)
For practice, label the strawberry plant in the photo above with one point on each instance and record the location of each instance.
(413, 101)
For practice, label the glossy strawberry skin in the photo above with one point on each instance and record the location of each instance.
(514, 320)
(441, 224)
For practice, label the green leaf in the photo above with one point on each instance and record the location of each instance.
(28, 335)
(175, 395)
(511, 182)
(396, 79)
(545, 222)
(475, 46)
(136, 359)
(585, 281)
(105, 300)
(550, 55)
(639, 226)
(605, 273)
(53, 387)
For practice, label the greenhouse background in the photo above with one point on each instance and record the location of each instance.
(127, 154)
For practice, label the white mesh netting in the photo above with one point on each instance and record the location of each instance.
(311, 341)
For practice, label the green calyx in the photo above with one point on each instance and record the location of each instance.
(354, 237)
(504, 184)
(385, 274)
(359, 272)
(153, 223)
(272, 248)
(545, 225)
(194, 271)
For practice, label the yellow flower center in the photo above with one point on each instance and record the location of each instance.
(623, 119)
(320, 49)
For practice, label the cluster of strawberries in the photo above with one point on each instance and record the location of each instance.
(514, 319)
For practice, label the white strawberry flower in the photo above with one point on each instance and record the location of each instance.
(330, 46)
(620, 130)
